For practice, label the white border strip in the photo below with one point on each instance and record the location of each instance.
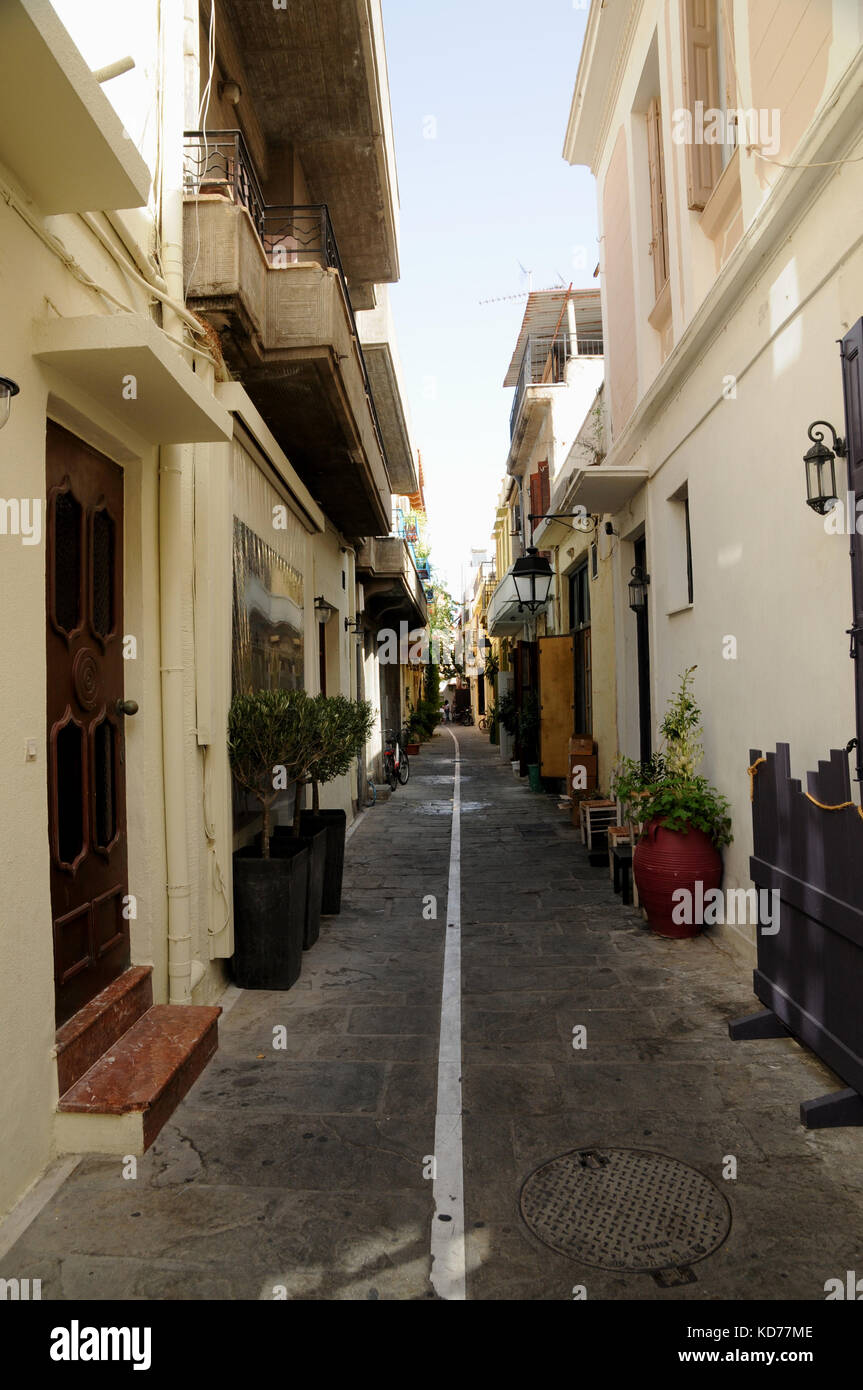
(447, 1233)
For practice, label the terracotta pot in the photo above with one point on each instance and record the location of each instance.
(667, 860)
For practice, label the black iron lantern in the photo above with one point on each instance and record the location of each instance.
(822, 494)
(532, 576)
(638, 590)
(8, 389)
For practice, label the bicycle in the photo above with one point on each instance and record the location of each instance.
(483, 722)
(397, 766)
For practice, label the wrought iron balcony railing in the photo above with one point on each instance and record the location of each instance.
(218, 162)
(544, 363)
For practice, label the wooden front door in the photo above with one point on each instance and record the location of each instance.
(556, 705)
(86, 772)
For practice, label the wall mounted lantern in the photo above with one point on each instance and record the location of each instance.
(8, 389)
(323, 610)
(354, 624)
(822, 494)
(638, 590)
(532, 575)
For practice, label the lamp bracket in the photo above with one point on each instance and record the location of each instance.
(816, 433)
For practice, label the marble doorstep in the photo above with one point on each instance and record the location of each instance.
(100, 1024)
(150, 1069)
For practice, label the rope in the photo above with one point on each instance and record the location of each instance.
(842, 806)
(822, 805)
(752, 771)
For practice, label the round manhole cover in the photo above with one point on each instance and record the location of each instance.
(625, 1209)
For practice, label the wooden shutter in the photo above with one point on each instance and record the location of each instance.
(535, 499)
(700, 83)
(658, 216)
(544, 487)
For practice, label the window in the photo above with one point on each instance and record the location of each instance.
(689, 589)
(708, 79)
(658, 211)
(594, 560)
(678, 551)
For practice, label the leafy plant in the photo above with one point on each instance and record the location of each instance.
(507, 712)
(341, 731)
(528, 726)
(667, 788)
(271, 742)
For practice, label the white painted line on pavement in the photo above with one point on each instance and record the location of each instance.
(447, 1234)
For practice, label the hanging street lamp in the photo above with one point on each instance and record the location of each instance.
(822, 494)
(532, 576)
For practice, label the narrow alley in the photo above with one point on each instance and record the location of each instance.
(300, 1164)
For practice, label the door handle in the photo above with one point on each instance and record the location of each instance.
(126, 706)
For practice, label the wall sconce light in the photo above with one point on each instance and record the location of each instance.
(8, 389)
(323, 610)
(638, 590)
(354, 624)
(822, 494)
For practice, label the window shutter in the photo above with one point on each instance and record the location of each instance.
(658, 216)
(700, 83)
(535, 505)
(544, 487)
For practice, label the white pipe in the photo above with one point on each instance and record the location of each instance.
(173, 557)
(113, 70)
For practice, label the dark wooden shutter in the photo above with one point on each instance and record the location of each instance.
(544, 487)
(700, 83)
(535, 499)
(852, 383)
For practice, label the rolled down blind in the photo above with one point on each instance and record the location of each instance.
(700, 84)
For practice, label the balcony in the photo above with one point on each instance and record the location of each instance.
(391, 585)
(270, 281)
(544, 363)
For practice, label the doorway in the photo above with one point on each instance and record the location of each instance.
(86, 746)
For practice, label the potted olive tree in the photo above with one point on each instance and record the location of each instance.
(685, 821)
(269, 745)
(342, 728)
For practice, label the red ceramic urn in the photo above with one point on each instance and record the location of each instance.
(666, 861)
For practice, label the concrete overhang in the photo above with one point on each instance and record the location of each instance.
(233, 396)
(392, 589)
(603, 488)
(606, 26)
(378, 338)
(126, 364)
(59, 133)
(317, 73)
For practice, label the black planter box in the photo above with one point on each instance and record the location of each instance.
(335, 824)
(269, 917)
(315, 841)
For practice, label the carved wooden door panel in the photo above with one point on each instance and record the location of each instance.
(86, 762)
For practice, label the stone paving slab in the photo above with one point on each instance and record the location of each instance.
(304, 1169)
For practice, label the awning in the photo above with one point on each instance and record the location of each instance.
(126, 364)
(600, 488)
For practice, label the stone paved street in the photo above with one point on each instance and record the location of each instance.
(304, 1167)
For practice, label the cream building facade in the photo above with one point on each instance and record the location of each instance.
(729, 271)
(197, 471)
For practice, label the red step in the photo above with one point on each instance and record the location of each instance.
(150, 1069)
(101, 1023)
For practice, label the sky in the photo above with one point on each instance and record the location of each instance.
(480, 92)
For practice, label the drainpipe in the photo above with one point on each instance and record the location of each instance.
(173, 467)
